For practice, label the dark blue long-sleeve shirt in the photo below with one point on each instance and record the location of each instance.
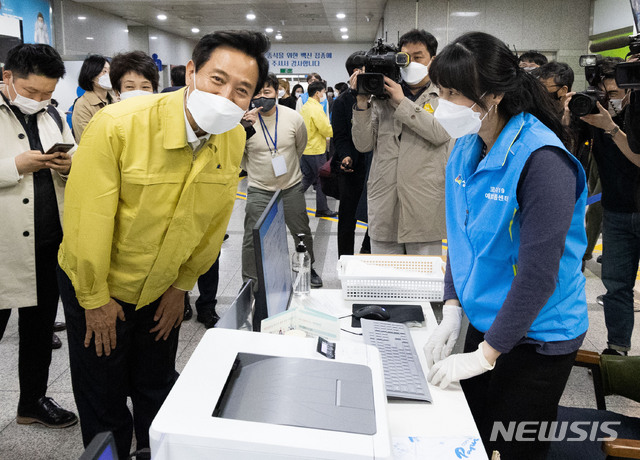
(547, 197)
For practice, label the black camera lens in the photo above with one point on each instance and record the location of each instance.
(371, 83)
(582, 104)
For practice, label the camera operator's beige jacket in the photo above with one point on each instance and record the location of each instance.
(17, 231)
(405, 191)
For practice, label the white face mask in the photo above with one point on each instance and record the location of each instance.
(26, 105)
(414, 73)
(323, 98)
(280, 93)
(615, 106)
(104, 82)
(212, 113)
(298, 95)
(134, 93)
(458, 120)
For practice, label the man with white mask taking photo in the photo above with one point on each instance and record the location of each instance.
(410, 149)
(148, 201)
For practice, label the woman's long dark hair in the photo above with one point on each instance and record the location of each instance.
(477, 63)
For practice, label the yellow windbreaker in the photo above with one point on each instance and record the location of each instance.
(318, 127)
(142, 212)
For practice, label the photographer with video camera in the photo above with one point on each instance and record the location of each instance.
(620, 178)
(410, 148)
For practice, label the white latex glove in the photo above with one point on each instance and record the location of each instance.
(459, 367)
(445, 336)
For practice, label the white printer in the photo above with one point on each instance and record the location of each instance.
(255, 396)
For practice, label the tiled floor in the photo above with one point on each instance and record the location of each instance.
(19, 442)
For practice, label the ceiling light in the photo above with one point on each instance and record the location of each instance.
(251, 16)
(465, 14)
(125, 30)
(82, 18)
(341, 15)
(268, 30)
(344, 37)
(162, 17)
(278, 37)
(344, 29)
(89, 38)
(195, 30)
(153, 37)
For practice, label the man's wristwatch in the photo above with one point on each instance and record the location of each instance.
(613, 131)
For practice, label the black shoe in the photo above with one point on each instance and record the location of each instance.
(208, 319)
(226, 237)
(56, 342)
(59, 326)
(600, 300)
(47, 412)
(188, 311)
(599, 259)
(327, 213)
(611, 351)
(316, 281)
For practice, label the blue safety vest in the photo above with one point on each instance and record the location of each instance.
(483, 231)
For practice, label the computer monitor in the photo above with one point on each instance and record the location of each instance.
(102, 447)
(238, 315)
(272, 262)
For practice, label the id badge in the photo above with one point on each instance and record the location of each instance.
(279, 165)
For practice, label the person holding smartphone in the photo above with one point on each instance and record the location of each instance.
(32, 187)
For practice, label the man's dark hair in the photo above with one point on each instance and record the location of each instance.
(350, 64)
(420, 36)
(315, 87)
(91, 68)
(177, 75)
(271, 81)
(41, 60)
(254, 44)
(315, 76)
(135, 61)
(561, 73)
(533, 56)
(608, 66)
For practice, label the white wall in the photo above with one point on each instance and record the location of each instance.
(330, 68)
(170, 48)
(111, 35)
(611, 15)
(65, 92)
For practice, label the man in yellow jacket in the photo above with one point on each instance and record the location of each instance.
(148, 200)
(318, 129)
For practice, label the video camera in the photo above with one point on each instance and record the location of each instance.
(585, 102)
(627, 73)
(380, 61)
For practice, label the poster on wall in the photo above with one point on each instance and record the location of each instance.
(35, 16)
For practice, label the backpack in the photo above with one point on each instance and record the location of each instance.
(53, 112)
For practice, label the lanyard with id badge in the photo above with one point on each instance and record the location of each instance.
(277, 160)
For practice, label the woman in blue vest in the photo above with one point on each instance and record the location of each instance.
(515, 205)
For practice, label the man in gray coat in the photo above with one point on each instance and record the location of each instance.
(410, 152)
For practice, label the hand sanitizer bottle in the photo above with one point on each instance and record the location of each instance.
(301, 269)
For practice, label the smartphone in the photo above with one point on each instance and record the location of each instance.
(59, 147)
